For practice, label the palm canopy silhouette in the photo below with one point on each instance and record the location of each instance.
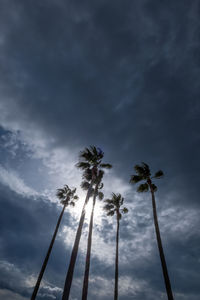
(90, 161)
(113, 207)
(67, 197)
(95, 193)
(143, 173)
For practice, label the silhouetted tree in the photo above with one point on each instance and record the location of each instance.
(67, 197)
(143, 173)
(112, 207)
(89, 161)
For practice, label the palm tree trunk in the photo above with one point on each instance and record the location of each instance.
(70, 272)
(161, 252)
(116, 259)
(47, 256)
(89, 245)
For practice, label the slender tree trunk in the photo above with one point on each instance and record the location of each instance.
(116, 259)
(70, 272)
(160, 247)
(89, 245)
(47, 256)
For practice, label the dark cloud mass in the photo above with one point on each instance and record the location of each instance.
(123, 75)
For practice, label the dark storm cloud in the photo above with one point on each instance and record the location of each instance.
(121, 76)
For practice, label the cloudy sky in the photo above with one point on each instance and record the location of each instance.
(121, 75)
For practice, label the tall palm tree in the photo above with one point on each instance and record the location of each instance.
(98, 186)
(112, 207)
(143, 173)
(90, 160)
(67, 197)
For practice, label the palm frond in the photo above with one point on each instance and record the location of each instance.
(143, 188)
(87, 174)
(101, 185)
(111, 213)
(139, 170)
(124, 210)
(60, 193)
(106, 166)
(135, 178)
(76, 197)
(100, 195)
(64, 202)
(82, 165)
(147, 172)
(72, 203)
(108, 207)
(159, 174)
(154, 187)
(109, 201)
(85, 185)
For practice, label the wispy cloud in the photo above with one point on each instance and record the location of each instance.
(15, 183)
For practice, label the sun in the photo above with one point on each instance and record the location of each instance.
(79, 206)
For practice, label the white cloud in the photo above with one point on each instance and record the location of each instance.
(11, 179)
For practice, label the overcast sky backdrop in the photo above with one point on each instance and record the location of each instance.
(121, 75)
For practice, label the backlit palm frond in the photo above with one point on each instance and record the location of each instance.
(158, 174)
(101, 185)
(106, 166)
(111, 213)
(146, 168)
(100, 195)
(135, 178)
(87, 174)
(86, 154)
(82, 165)
(117, 199)
(60, 193)
(72, 203)
(124, 210)
(108, 201)
(85, 185)
(139, 170)
(154, 187)
(94, 150)
(143, 188)
(108, 207)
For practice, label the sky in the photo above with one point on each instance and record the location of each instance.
(121, 75)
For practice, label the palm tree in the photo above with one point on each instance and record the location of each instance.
(143, 173)
(67, 197)
(89, 161)
(98, 186)
(113, 206)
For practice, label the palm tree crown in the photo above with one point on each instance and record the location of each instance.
(90, 160)
(143, 173)
(113, 205)
(67, 196)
